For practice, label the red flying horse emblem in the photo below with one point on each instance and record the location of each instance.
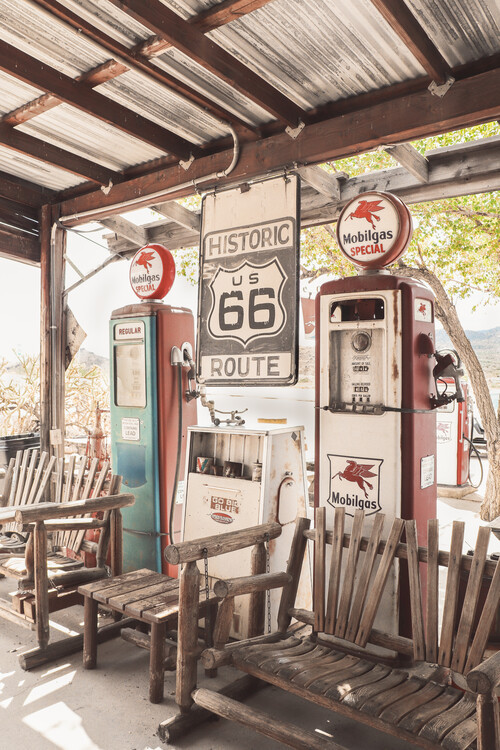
(357, 473)
(145, 259)
(367, 210)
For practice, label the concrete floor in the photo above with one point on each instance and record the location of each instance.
(63, 706)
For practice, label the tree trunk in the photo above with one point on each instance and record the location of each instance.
(447, 315)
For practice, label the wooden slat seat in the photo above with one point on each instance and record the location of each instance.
(379, 691)
(431, 685)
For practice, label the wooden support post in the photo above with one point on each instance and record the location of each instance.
(224, 622)
(41, 585)
(52, 333)
(294, 569)
(257, 599)
(156, 662)
(488, 721)
(89, 633)
(189, 587)
(116, 542)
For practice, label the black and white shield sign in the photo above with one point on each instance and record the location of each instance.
(249, 285)
(247, 302)
(355, 483)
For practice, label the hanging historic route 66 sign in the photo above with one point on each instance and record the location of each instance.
(247, 312)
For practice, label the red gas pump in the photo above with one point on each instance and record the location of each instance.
(151, 408)
(454, 425)
(377, 378)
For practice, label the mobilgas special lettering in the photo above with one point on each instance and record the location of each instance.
(353, 501)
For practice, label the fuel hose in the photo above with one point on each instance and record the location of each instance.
(179, 451)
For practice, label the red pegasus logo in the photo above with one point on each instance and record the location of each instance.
(357, 473)
(367, 210)
(145, 259)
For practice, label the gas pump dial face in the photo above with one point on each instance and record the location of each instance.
(361, 341)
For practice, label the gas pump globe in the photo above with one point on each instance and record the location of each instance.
(376, 375)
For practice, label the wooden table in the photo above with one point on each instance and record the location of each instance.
(148, 597)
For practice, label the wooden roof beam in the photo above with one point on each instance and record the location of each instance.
(175, 212)
(403, 22)
(126, 229)
(323, 182)
(35, 73)
(23, 191)
(193, 43)
(55, 156)
(411, 159)
(19, 246)
(469, 102)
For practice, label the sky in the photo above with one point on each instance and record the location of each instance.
(93, 303)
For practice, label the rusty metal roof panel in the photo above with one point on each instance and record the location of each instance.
(37, 172)
(156, 102)
(317, 51)
(462, 31)
(14, 93)
(82, 134)
(38, 33)
(173, 61)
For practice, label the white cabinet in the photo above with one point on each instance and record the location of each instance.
(227, 499)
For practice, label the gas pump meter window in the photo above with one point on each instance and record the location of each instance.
(130, 374)
(357, 344)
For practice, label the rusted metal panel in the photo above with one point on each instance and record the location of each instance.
(37, 172)
(87, 136)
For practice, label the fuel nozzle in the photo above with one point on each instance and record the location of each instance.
(447, 365)
(188, 361)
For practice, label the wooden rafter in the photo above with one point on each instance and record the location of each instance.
(178, 214)
(127, 229)
(409, 158)
(35, 73)
(469, 102)
(403, 22)
(193, 43)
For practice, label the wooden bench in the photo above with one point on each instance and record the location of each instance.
(155, 600)
(439, 691)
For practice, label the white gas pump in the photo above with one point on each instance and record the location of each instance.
(377, 377)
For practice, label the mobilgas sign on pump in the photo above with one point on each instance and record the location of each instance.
(377, 375)
(151, 349)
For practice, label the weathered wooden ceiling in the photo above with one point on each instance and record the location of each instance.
(110, 104)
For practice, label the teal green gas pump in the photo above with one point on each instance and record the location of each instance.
(149, 409)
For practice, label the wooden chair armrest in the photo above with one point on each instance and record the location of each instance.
(44, 511)
(250, 584)
(191, 551)
(7, 515)
(486, 676)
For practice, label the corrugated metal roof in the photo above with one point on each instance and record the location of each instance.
(462, 31)
(157, 103)
(93, 139)
(38, 33)
(313, 51)
(35, 171)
